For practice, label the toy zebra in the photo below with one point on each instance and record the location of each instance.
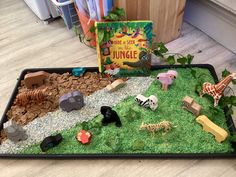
(152, 128)
(216, 91)
(151, 101)
(25, 97)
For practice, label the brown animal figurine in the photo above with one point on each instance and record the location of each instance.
(117, 84)
(189, 104)
(25, 97)
(35, 79)
(207, 125)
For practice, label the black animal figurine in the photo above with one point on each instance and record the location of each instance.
(50, 142)
(110, 116)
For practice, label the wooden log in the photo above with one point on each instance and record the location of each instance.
(167, 16)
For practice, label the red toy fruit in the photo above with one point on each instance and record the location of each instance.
(83, 136)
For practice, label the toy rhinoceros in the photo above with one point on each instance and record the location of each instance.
(71, 101)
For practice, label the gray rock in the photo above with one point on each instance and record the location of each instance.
(14, 131)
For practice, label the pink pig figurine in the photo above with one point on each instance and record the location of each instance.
(167, 78)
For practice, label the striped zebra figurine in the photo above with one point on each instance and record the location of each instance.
(217, 90)
(146, 102)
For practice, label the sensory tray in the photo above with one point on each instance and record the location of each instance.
(130, 117)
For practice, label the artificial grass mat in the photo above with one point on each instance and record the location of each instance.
(187, 136)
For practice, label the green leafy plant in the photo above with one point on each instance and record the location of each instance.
(226, 73)
(233, 137)
(200, 80)
(228, 101)
(115, 15)
(85, 125)
(160, 50)
(77, 32)
(212, 112)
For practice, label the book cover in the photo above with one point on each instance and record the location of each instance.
(122, 47)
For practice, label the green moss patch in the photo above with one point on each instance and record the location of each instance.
(187, 136)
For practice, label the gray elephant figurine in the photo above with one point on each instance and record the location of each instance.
(71, 101)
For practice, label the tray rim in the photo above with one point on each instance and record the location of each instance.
(116, 155)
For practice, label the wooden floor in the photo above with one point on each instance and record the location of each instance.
(25, 42)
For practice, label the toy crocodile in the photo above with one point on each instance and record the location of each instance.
(143, 62)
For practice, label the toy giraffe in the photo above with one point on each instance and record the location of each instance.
(216, 91)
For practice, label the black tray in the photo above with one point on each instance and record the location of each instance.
(115, 155)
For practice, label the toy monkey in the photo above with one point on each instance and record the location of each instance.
(110, 116)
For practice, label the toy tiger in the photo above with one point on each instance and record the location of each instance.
(25, 97)
(152, 128)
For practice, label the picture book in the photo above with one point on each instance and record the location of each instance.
(122, 47)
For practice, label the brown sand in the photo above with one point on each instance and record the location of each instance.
(58, 85)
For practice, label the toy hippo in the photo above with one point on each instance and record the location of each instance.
(35, 79)
(78, 71)
(71, 101)
(14, 131)
(110, 116)
(167, 78)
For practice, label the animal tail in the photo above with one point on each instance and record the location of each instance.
(132, 64)
(142, 124)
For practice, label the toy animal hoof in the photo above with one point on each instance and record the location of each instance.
(50, 142)
(118, 124)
